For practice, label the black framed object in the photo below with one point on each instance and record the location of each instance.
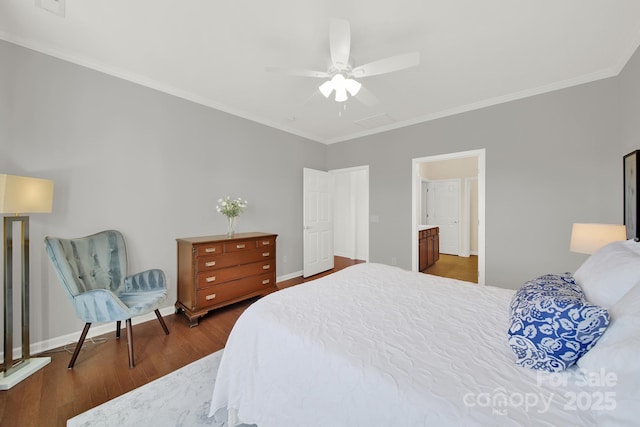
(631, 199)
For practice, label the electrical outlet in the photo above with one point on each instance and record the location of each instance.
(394, 261)
(54, 6)
(284, 259)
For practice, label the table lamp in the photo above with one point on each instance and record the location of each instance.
(588, 238)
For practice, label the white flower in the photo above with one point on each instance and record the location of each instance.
(231, 208)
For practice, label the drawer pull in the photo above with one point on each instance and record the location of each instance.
(210, 297)
(266, 266)
(240, 246)
(209, 250)
(266, 243)
(266, 281)
(266, 253)
(209, 264)
(210, 279)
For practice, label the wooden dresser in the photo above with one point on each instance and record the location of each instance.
(428, 247)
(215, 271)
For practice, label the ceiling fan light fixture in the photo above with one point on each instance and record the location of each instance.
(341, 94)
(341, 85)
(352, 86)
(326, 88)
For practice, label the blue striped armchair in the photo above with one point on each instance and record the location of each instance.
(93, 274)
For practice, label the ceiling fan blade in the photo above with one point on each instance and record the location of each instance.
(366, 97)
(298, 72)
(387, 65)
(317, 95)
(339, 42)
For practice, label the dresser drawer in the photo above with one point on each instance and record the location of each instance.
(227, 291)
(212, 277)
(234, 258)
(423, 234)
(265, 243)
(208, 249)
(240, 246)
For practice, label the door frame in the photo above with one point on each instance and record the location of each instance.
(480, 154)
(364, 168)
(466, 248)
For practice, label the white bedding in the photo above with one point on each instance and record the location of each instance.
(373, 345)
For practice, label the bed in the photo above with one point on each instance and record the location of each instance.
(375, 345)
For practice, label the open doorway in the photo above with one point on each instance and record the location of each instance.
(464, 230)
(351, 212)
(335, 218)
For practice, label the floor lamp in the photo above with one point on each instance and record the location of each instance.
(18, 196)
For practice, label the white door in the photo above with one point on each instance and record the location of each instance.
(443, 210)
(423, 202)
(317, 222)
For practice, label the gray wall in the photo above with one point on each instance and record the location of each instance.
(153, 165)
(551, 160)
(629, 87)
(149, 164)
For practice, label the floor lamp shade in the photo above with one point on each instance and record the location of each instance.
(588, 238)
(20, 195)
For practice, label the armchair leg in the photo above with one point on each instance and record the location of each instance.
(164, 325)
(118, 323)
(130, 342)
(79, 345)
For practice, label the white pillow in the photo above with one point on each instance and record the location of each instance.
(609, 273)
(618, 349)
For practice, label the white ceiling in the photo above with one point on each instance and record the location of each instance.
(473, 53)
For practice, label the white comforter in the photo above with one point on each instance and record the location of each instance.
(373, 345)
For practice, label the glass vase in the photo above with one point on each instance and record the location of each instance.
(231, 227)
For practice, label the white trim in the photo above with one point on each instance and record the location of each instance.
(587, 78)
(289, 276)
(422, 202)
(352, 169)
(162, 87)
(96, 329)
(150, 83)
(466, 251)
(480, 154)
(105, 328)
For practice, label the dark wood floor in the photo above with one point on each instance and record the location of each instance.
(54, 394)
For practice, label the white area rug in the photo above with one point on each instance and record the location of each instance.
(181, 398)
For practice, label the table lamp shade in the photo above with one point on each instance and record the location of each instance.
(21, 195)
(588, 238)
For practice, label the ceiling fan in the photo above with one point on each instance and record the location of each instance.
(341, 75)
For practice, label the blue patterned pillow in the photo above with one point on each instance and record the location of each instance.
(552, 324)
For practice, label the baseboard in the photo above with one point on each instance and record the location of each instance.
(289, 276)
(104, 328)
(96, 329)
